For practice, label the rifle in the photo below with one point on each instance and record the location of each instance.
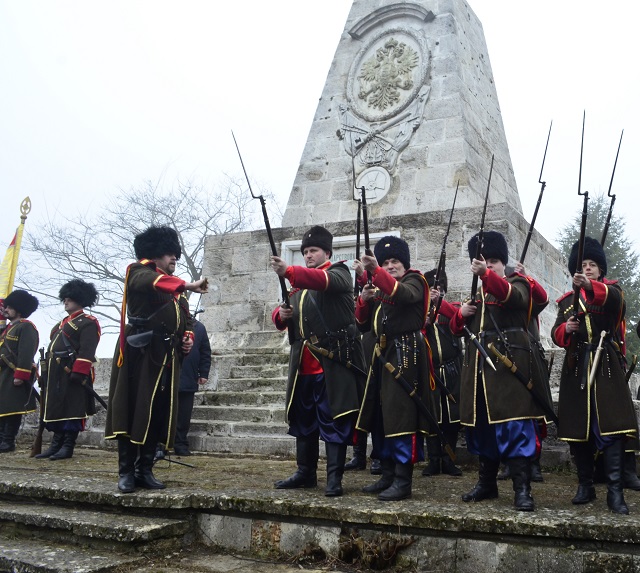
(365, 229)
(613, 197)
(583, 230)
(433, 312)
(36, 448)
(274, 251)
(535, 212)
(474, 282)
(356, 286)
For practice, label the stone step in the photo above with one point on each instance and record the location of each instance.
(78, 524)
(261, 383)
(259, 371)
(234, 398)
(238, 428)
(258, 359)
(268, 445)
(239, 413)
(36, 556)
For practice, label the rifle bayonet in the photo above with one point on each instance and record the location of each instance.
(613, 197)
(535, 212)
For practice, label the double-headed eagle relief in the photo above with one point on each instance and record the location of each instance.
(383, 76)
(386, 94)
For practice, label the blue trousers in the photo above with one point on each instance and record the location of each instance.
(311, 415)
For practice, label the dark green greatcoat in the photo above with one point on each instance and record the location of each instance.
(150, 374)
(506, 398)
(609, 397)
(18, 345)
(446, 350)
(396, 321)
(316, 313)
(66, 400)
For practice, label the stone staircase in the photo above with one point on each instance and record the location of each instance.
(81, 532)
(246, 411)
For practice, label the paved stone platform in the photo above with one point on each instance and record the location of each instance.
(233, 507)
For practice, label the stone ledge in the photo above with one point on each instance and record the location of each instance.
(93, 524)
(30, 556)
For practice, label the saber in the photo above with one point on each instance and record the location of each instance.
(479, 347)
(411, 390)
(596, 359)
(86, 387)
(331, 356)
(528, 384)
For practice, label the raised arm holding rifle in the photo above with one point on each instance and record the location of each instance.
(599, 415)
(595, 410)
(499, 412)
(399, 405)
(326, 361)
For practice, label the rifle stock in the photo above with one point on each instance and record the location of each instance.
(283, 287)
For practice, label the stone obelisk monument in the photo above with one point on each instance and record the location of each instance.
(409, 111)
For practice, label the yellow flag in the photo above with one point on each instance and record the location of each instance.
(10, 261)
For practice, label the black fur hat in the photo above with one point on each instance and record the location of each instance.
(317, 237)
(494, 246)
(156, 242)
(24, 303)
(82, 293)
(430, 277)
(593, 251)
(391, 247)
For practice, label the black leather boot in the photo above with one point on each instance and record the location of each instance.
(143, 473)
(2, 423)
(401, 486)
(434, 453)
(376, 467)
(613, 472)
(630, 474)
(520, 470)
(583, 458)
(359, 460)
(505, 473)
(68, 445)
(54, 446)
(307, 451)
(388, 468)
(336, 455)
(126, 465)
(448, 466)
(487, 486)
(536, 470)
(11, 427)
